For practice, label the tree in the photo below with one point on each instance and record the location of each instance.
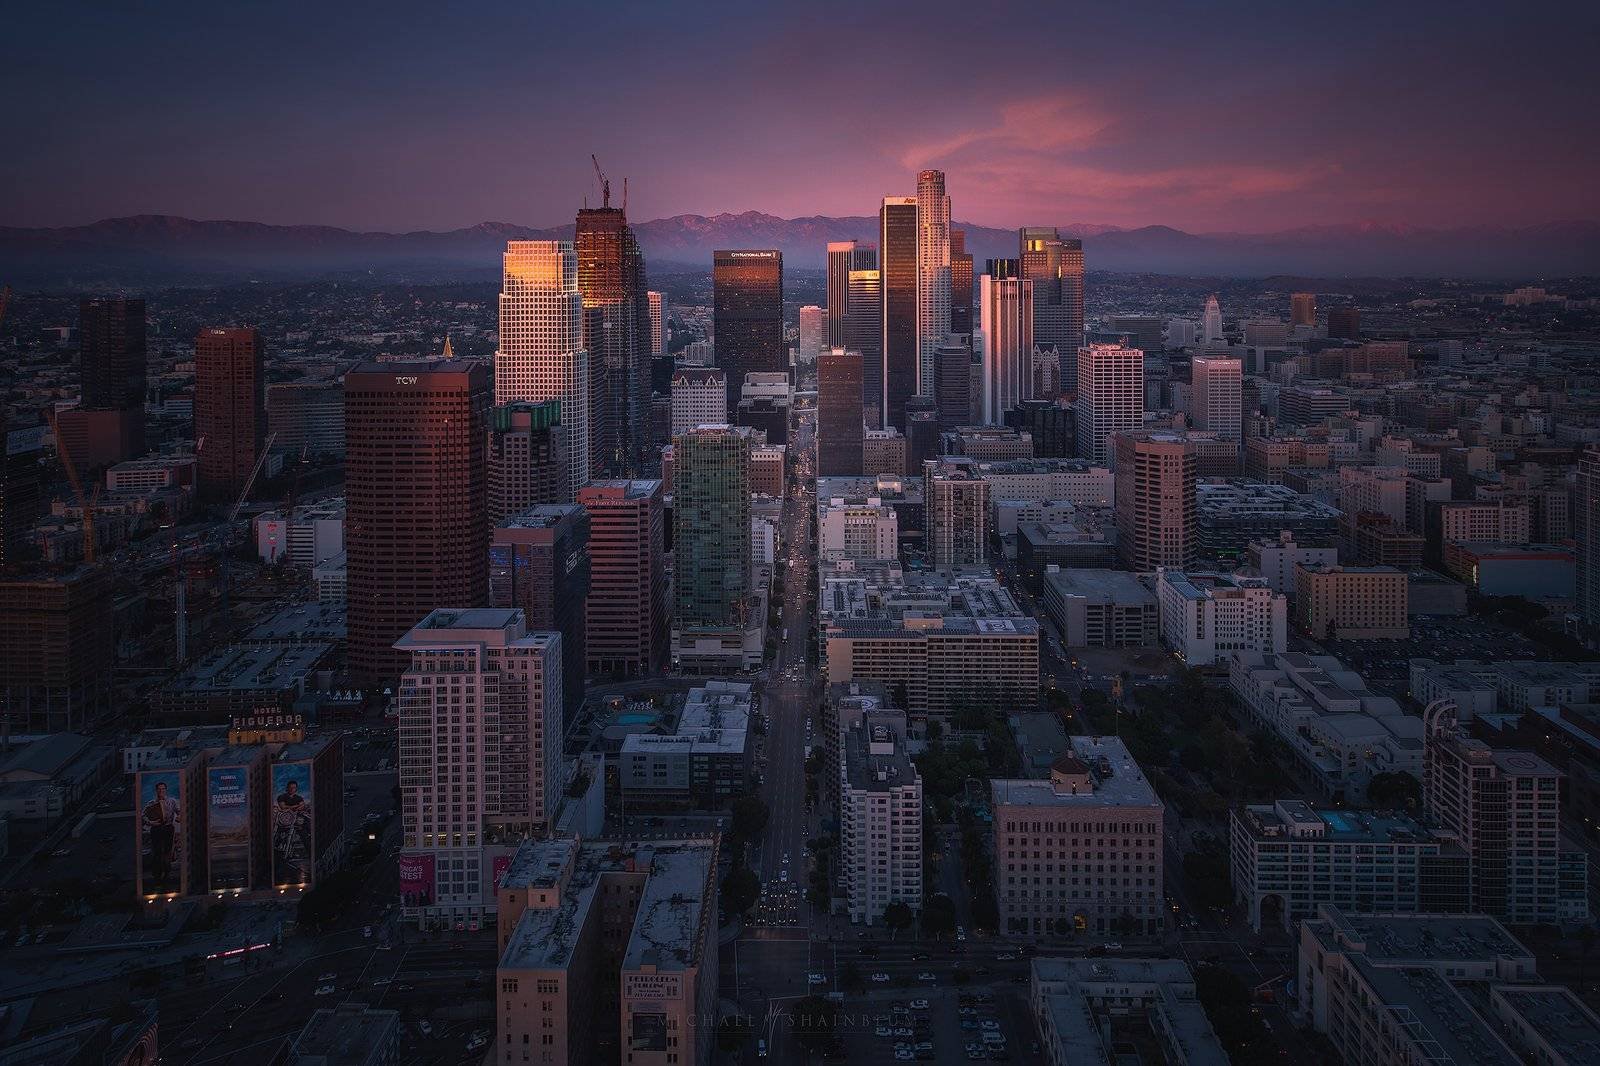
(939, 915)
(740, 889)
(898, 916)
(1226, 1001)
(815, 1021)
(1394, 791)
(749, 816)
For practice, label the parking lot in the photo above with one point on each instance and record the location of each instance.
(938, 1024)
(1386, 664)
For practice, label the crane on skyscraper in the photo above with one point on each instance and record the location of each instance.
(605, 185)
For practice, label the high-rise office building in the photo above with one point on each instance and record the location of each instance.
(880, 821)
(897, 279)
(21, 479)
(1344, 323)
(1055, 266)
(747, 315)
(956, 502)
(229, 408)
(1110, 397)
(658, 322)
(960, 284)
(55, 643)
(526, 457)
(1154, 499)
(863, 330)
(952, 385)
(616, 334)
(1215, 395)
(539, 564)
(843, 258)
(933, 274)
(1586, 527)
(699, 398)
(541, 354)
(307, 416)
(1211, 323)
(711, 527)
(1302, 309)
(416, 500)
(812, 329)
(839, 420)
(480, 727)
(1005, 304)
(112, 376)
(627, 605)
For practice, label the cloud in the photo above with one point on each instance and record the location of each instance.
(1041, 124)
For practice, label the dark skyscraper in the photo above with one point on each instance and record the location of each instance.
(897, 269)
(863, 331)
(416, 509)
(747, 327)
(230, 411)
(960, 284)
(112, 369)
(1344, 323)
(616, 333)
(1055, 266)
(627, 606)
(527, 457)
(539, 563)
(952, 385)
(839, 432)
(843, 257)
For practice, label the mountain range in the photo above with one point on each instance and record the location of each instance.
(145, 250)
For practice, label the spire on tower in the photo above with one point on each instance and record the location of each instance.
(449, 352)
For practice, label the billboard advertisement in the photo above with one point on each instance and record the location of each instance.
(160, 824)
(498, 866)
(293, 843)
(416, 879)
(228, 827)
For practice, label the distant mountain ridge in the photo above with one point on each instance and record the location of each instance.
(153, 249)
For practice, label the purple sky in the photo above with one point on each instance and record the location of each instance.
(1227, 116)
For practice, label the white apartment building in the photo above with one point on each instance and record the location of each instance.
(151, 473)
(1006, 320)
(1073, 481)
(848, 530)
(1080, 852)
(1275, 560)
(1216, 400)
(699, 398)
(541, 354)
(315, 536)
(480, 728)
(812, 328)
(1110, 397)
(880, 821)
(1477, 520)
(1207, 617)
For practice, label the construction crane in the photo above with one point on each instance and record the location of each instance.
(249, 482)
(605, 186)
(85, 503)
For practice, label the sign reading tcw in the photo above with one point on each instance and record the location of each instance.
(405, 381)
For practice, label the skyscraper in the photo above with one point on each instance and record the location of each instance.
(1110, 397)
(1586, 527)
(1211, 323)
(1215, 390)
(711, 527)
(843, 258)
(960, 284)
(527, 457)
(747, 313)
(1303, 309)
(956, 500)
(1344, 323)
(541, 354)
(658, 322)
(112, 375)
(811, 332)
(839, 423)
(897, 276)
(539, 564)
(699, 397)
(627, 605)
(933, 274)
(952, 385)
(479, 678)
(616, 334)
(230, 411)
(1055, 266)
(21, 499)
(1154, 499)
(864, 333)
(1005, 304)
(416, 507)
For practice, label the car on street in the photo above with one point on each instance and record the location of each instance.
(883, 1032)
(919, 1004)
(926, 976)
(425, 1028)
(990, 1024)
(1006, 957)
(324, 990)
(325, 977)
(880, 978)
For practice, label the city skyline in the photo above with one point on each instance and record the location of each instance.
(1152, 122)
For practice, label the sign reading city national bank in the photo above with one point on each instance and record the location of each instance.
(754, 255)
(641, 986)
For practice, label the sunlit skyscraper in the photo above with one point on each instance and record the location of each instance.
(1110, 397)
(897, 270)
(1055, 266)
(616, 334)
(933, 273)
(863, 331)
(658, 322)
(1303, 309)
(1005, 304)
(541, 354)
(960, 284)
(1211, 323)
(844, 257)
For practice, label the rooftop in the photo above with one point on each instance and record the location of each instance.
(1115, 779)
(1418, 938)
(252, 666)
(300, 622)
(1070, 987)
(1560, 1018)
(1101, 586)
(351, 1034)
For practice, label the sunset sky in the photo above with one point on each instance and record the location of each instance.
(1226, 116)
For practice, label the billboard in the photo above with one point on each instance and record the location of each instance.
(160, 822)
(416, 879)
(498, 866)
(228, 827)
(293, 835)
